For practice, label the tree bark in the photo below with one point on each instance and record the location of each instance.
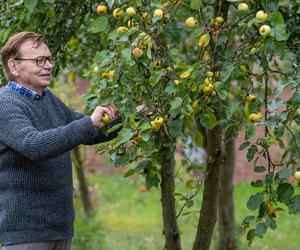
(83, 187)
(170, 227)
(226, 203)
(208, 213)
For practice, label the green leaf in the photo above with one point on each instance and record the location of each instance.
(142, 166)
(244, 145)
(99, 24)
(124, 136)
(259, 169)
(220, 89)
(276, 18)
(196, 4)
(257, 183)
(279, 32)
(294, 205)
(284, 192)
(251, 152)
(175, 127)
(30, 5)
(171, 89)
(271, 223)
(248, 219)
(208, 119)
(176, 102)
(226, 71)
(129, 173)
(255, 201)
(152, 179)
(198, 139)
(155, 77)
(261, 229)
(285, 173)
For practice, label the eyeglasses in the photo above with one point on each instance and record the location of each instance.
(39, 61)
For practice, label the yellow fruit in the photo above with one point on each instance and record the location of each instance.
(253, 51)
(217, 75)
(204, 40)
(130, 11)
(254, 117)
(297, 175)
(262, 15)
(122, 29)
(159, 13)
(159, 120)
(154, 125)
(177, 82)
(206, 55)
(251, 98)
(243, 68)
(137, 52)
(105, 119)
(95, 69)
(111, 73)
(101, 9)
(130, 23)
(219, 20)
(72, 77)
(145, 17)
(243, 7)
(157, 64)
(265, 30)
(191, 22)
(207, 89)
(210, 74)
(104, 75)
(118, 13)
(207, 81)
(195, 105)
(185, 74)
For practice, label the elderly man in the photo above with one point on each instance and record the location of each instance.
(37, 133)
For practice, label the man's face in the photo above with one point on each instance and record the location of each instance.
(29, 73)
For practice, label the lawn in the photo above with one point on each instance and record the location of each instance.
(127, 219)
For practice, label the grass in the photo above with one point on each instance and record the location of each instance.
(127, 219)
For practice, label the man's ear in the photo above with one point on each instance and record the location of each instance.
(13, 67)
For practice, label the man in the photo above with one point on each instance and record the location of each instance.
(37, 133)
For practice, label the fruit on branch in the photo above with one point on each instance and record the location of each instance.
(191, 22)
(137, 52)
(195, 105)
(105, 118)
(265, 30)
(95, 69)
(122, 29)
(204, 40)
(255, 117)
(297, 176)
(118, 13)
(101, 9)
(145, 17)
(251, 98)
(130, 11)
(159, 13)
(262, 15)
(243, 7)
(243, 68)
(207, 89)
(157, 64)
(219, 20)
(210, 74)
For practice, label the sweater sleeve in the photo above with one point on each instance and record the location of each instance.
(100, 136)
(23, 137)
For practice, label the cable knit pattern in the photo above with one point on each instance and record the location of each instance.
(35, 166)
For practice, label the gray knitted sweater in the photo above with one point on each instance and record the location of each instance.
(35, 166)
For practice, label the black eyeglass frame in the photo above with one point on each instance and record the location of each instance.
(38, 61)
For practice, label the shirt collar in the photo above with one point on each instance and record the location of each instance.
(24, 91)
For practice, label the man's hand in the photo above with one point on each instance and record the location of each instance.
(100, 112)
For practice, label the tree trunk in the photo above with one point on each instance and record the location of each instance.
(83, 187)
(170, 227)
(226, 204)
(208, 213)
